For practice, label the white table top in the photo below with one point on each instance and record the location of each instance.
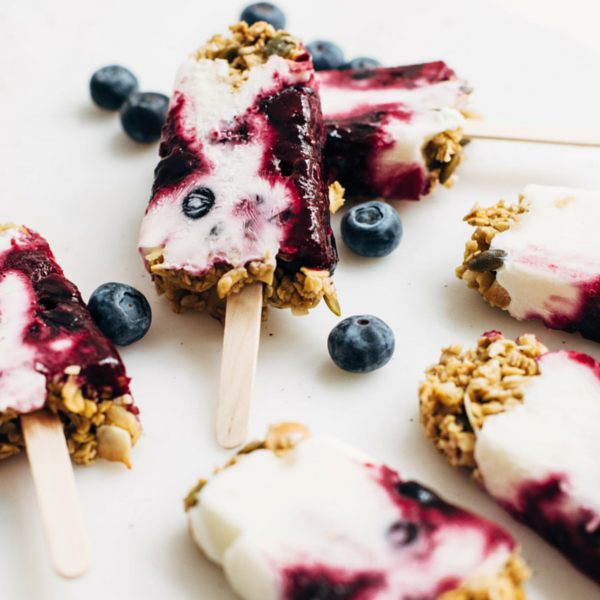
(70, 173)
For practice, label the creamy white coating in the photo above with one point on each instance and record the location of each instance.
(553, 433)
(321, 505)
(22, 387)
(243, 224)
(409, 138)
(553, 252)
(338, 101)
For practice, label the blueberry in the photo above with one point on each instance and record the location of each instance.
(403, 533)
(372, 229)
(197, 203)
(143, 116)
(325, 55)
(121, 312)
(361, 344)
(418, 492)
(263, 11)
(111, 86)
(362, 62)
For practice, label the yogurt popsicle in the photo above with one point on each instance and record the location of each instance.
(526, 420)
(540, 258)
(240, 194)
(309, 517)
(393, 132)
(52, 355)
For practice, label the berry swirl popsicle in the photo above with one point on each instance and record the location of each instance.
(393, 132)
(526, 420)
(240, 194)
(53, 355)
(299, 517)
(539, 259)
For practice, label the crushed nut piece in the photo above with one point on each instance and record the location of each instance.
(336, 197)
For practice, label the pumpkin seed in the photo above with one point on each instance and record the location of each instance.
(487, 261)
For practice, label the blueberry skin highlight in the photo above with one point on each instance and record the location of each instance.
(121, 312)
(372, 229)
(325, 56)
(361, 344)
(143, 116)
(362, 62)
(264, 11)
(111, 86)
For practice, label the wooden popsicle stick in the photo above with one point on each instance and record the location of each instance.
(238, 365)
(474, 128)
(56, 493)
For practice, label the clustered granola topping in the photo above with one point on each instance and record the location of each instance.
(489, 222)
(507, 585)
(466, 387)
(102, 427)
(443, 154)
(251, 46)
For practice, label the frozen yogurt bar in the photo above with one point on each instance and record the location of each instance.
(53, 355)
(299, 517)
(393, 132)
(240, 194)
(540, 258)
(526, 421)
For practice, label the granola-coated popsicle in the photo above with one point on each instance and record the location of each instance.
(393, 132)
(241, 194)
(526, 420)
(540, 258)
(53, 355)
(301, 517)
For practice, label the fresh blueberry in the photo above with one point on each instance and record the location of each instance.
(361, 344)
(325, 55)
(143, 116)
(362, 62)
(198, 203)
(111, 86)
(418, 492)
(121, 312)
(372, 229)
(403, 533)
(263, 11)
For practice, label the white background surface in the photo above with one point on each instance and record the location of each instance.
(69, 172)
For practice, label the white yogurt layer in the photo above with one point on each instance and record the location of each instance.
(22, 388)
(340, 102)
(320, 505)
(554, 433)
(553, 253)
(243, 224)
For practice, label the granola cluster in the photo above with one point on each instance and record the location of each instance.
(507, 585)
(466, 387)
(103, 427)
(250, 46)
(443, 154)
(489, 222)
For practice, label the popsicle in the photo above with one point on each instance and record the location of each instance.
(539, 259)
(240, 209)
(526, 421)
(240, 194)
(53, 356)
(393, 132)
(324, 520)
(63, 388)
